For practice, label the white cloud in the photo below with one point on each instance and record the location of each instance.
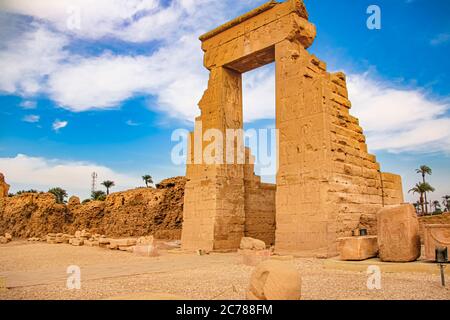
(27, 60)
(397, 119)
(57, 125)
(25, 172)
(31, 118)
(27, 104)
(37, 62)
(259, 94)
(131, 123)
(173, 74)
(129, 20)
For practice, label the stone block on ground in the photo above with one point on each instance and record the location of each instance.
(358, 248)
(248, 243)
(77, 242)
(436, 235)
(91, 243)
(147, 240)
(122, 242)
(275, 280)
(398, 233)
(145, 250)
(254, 257)
(3, 240)
(125, 248)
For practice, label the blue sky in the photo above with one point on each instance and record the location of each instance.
(107, 96)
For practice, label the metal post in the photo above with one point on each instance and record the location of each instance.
(442, 267)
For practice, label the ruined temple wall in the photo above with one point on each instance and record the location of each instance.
(259, 205)
(260, 211)
(327, 179)
(392, 189)
(302, 216)
(356, 179)
(213, 216)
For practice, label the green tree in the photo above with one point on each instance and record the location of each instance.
(98, 195)
(108, 184)
(421, 189)
(59, 193)
(437, 206)
(147, 179)
(26, 191)
(424, 170)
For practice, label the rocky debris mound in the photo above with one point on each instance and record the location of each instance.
(143, 246)
(275, 280)
(32, 215)
(135, 212)
(6, 238)
(4, 187)
(132, 213)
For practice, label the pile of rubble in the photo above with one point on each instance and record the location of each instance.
(6, 238)
(142, 246)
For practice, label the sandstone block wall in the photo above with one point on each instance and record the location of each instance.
(326, 179)
(259, 206)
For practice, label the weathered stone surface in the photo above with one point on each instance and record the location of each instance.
(398, 233)
(358, 248)
(254, 257)
(326, 177)
(443, 218)
(77, 242)
(121, 244)
(248, 243)
(275, 280)
(73, 201)
(4, 187)
(147, 240)
(145, 250)
(436, 235)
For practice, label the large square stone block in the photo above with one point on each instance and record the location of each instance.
(358, 248)
(398, 233)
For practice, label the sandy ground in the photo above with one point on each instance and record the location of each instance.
(38, 271)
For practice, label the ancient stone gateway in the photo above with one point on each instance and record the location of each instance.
(326, 179)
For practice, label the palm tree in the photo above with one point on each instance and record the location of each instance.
(436, 205)
(108, 184)
(424, 170)
(60, 194)
(421, 189)
(147, 179)
(98, 195)
(446, 202)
